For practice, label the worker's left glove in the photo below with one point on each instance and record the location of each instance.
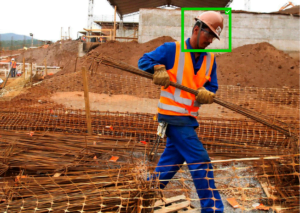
(161, 76)
(204, 96)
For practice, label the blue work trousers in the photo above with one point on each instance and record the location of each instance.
(13, 72)
(183, 144)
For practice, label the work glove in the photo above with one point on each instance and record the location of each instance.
(204, 96)
(161, 76)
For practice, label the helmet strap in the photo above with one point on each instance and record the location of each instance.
(198, 36)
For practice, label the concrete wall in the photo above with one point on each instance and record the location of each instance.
(126, 32)
(282, 31)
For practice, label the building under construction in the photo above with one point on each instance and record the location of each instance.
(78, 126)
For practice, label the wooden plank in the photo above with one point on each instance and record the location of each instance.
(169, 200)
(265, 188)
(96, 30)
(126, 38)
(173, 207)
(264, 185)
(97, 37)
(87, 100)
(190, 211)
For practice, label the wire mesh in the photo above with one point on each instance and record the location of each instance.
(47, 163)
(128, 104)
(56, 172)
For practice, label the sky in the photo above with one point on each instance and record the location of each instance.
(45, 18)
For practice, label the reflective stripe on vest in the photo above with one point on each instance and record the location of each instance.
(176, 97)
(176, 109)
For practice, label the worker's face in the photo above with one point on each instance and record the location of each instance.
(206, 37)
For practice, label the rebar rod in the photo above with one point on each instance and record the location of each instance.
(246, 112)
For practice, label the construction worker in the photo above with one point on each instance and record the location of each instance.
(13, 66)
(179, 109)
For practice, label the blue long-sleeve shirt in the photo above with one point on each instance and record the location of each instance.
(165, 54)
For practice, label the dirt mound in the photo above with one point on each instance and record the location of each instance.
(102, 80)
(129, 52)
(57, 54)
(258, 65)
(254, 65)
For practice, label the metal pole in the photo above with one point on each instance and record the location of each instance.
(32, 41)
(11, 44)
(30, 67)
(46, 71)
(69, 33)
(23, 67)
(115, 23)
(31, 73)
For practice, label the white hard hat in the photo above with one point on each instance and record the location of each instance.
(13, 59)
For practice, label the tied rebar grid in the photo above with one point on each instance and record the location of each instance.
(125, 131)
(264, 119)
(276, 104)
(54, 172)
(222, 133)
(135, 132)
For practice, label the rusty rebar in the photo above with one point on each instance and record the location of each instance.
(246, 112)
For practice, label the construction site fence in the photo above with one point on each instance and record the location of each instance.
(125, 106)
(48, 172)
(48, 162)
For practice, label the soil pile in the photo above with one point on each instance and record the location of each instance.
(129, 52)
(258, 65)
(254, 65)
(58, 54)
(105, 79)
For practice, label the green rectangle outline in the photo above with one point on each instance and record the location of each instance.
(205, 8)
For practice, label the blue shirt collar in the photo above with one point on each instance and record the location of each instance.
(188, 46)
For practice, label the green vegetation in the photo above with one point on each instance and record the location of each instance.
(14, 45)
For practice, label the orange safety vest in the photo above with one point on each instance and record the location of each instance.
(13, 64)
(175, 101)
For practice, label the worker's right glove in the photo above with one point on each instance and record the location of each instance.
(204, 96)
(161, 76)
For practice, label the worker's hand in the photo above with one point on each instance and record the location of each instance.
(204, 96)
(161, 76)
